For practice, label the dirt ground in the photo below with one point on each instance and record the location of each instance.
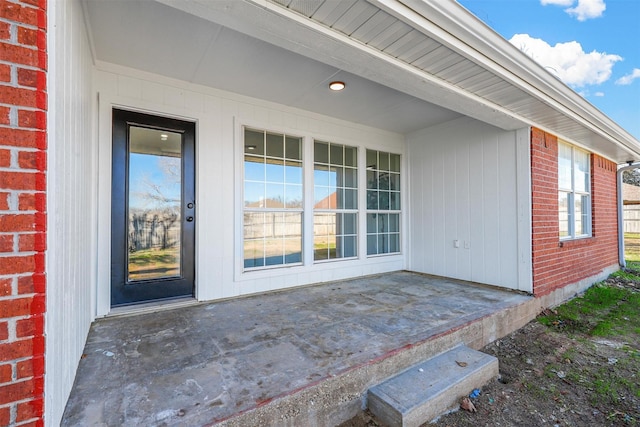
(552, 377)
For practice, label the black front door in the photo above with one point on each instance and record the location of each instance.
(152, 208)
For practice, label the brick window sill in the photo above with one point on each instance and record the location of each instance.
(577, 243)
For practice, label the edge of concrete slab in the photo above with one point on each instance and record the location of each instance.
(333, 400)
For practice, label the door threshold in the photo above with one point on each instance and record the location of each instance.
(152, 306)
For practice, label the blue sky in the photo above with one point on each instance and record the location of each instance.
(591, 45)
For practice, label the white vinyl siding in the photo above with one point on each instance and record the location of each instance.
(221, 119)
(469, 203)
(71, 203)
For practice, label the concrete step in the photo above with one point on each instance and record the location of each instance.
(431, 388)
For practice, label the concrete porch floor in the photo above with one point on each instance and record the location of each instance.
(299, 357)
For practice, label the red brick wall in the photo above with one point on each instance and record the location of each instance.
(557, 264)
(23, 163)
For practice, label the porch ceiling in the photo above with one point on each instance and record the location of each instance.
(154, 37)
(408, 64)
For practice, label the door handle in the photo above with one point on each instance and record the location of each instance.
(189, 219)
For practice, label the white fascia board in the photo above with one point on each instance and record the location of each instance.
(460, 30)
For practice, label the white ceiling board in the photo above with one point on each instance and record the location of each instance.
(149, 36)
(215, 56)
(273, 53)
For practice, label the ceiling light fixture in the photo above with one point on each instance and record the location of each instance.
(251, 147)
(164, 136)
(336, 86)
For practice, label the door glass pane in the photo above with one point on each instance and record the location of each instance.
(154, 208)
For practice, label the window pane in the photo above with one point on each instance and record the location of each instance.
(321, 152)
(372, 159)
(350, 156)
(351, 199)
(254, 142)
(293, 197)
(383, 223)
(275, 170)
(350, 248)
(394, 181)
(293, 148)
(324, 231)
(383, 229)
(372, 223)
(564, 166)
(581, 214)
(394, 201)
(372, 179)
(321, 195)
(254, 168)
(394, 223)
(339, 198)
(336, 177)
(350, 178)
(254, 194)
(293, 172)
(384, 200)
(274, 196)
(394, 242)
(272, 237)
(581, 171)
(321, 175)
(383, 181)
(336, 157)
(292, 233)
(253, 240)
(383, 159)
(383, 243)
(372, 244)
(350, 223)
(394, 161)
(563, 213)
(275, 145)
(293, 251)
(372, 199)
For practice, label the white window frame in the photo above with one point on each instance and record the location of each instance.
(337, 210)
(252, 276)
(571, 196)
(273, 210)
(396, 212)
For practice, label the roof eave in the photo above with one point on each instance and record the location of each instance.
(462, 31)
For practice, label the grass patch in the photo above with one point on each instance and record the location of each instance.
(602, 311)
(632, 246)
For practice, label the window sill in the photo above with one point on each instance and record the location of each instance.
(577, 242)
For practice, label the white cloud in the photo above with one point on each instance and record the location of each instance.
(629, 78)
(557, 2)
(586, 9)
(599, 94)
(568, 61)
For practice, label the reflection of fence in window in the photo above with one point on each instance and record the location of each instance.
(154, 230)
(270, 225)
(272, 238)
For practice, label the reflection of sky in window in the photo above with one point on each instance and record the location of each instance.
(273, 181)
(154, 181)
